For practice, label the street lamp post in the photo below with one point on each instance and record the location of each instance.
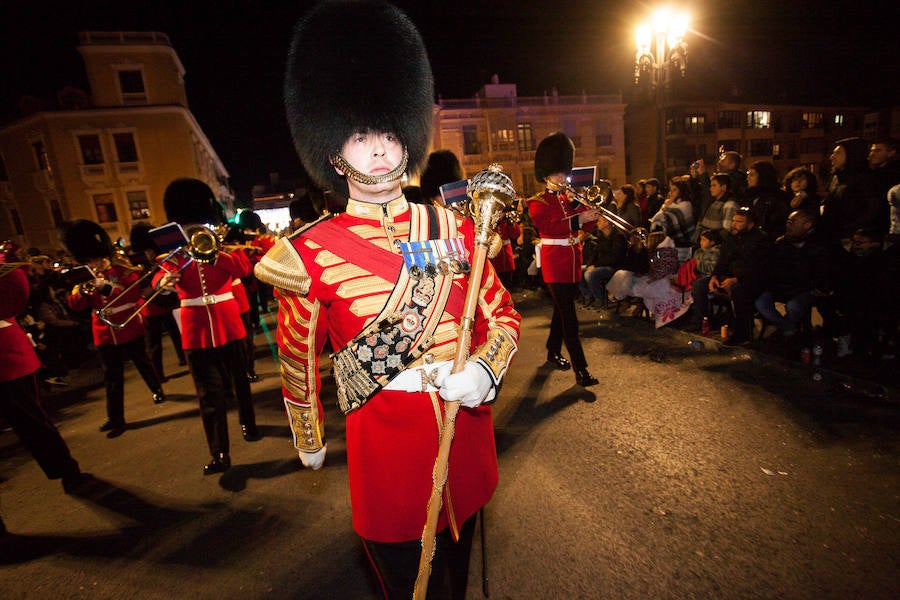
(660, 51)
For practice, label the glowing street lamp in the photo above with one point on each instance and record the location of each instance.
(661, 50)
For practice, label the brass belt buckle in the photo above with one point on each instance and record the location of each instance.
(208, 299)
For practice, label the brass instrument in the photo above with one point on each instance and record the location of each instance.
(589, 199)
(203, 244)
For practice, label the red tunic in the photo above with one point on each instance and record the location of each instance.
(120, 278)
(392, 440)
(557, 224)
(17, 355)
(505, 261)
(210, 314)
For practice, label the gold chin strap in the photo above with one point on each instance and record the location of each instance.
(338, 161)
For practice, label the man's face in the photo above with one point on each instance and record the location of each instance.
(879, 154)
(838, 158)
(797, 225)
(372, 153)
(739, 223)
(716, 189)
(651, 189)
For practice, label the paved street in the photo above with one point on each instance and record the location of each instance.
(687, 473)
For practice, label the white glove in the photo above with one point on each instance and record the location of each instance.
(470, 387)
(313, 460)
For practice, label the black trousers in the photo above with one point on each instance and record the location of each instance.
(155, 326)
(20, 407)
(564, 324)
(114, 357)
(249, 346)
(396, 565)
(216, 373)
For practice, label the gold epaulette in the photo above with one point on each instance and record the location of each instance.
(282, 267)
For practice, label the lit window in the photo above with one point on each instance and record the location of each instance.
(694, 123)
(839, 120)
(776, 150)
(138, 204)
(106, 208)
(759, 119)
(812, 120)
(526, 137)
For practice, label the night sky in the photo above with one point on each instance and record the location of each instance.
(234, 54)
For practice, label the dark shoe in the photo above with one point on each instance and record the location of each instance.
(558, 361)
(585, 379)
(110, 425)
(116, 431)
(252, 377)
(220, 463)
(251, 434)
(159, 397)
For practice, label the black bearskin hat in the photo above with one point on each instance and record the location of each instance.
(85, 240)
(188, 201)
(555, 154)
(356, 65)
(443, 167)
(140, 239)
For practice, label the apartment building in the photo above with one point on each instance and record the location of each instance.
(499, 126)
(788, 136)
(106, 156)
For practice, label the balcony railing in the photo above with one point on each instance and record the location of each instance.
(123, 38)
(527, 101)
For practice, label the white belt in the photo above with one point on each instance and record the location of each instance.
(559, 241)
(418, 379)
(5, 324)
(207, 299)
(119, 308)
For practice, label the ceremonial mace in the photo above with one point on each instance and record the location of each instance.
(491, 191)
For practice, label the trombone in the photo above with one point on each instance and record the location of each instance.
(589, 199)
(203, 246)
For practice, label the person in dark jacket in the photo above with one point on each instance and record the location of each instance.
(769, 203)
(803, 187)
(852, 202)
(739, 274)
(797, 274)
(603, 255)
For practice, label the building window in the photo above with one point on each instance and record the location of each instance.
(91, 152)
(604, 139)
(694, 123)
(526, 137)
(471, 144)
(759, 119)
(131, 82)
(776, 151)
(126, 150)
(812, 120)
(730, 119)
(106, 208)
(759, 148)
(40, 155)
(503, 139)
(838, 120)
(603, 169)
(138, 205)
(812, 146)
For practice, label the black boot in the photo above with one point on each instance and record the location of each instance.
(584, 378)
(159, 397)
(558, 361)
(250, 433)
(220, 463)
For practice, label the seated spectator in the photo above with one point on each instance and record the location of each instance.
(851, 203)
(57, 327)
(603, 254)
(797, 274)
(738, 275)
(654, 201)
(769, 203)
(676, 217)
(703, 261)
(802, 185)
(885, 165)
(665, 301)
(862, 313)
(628, 207)
(721, 210)
(730, 164)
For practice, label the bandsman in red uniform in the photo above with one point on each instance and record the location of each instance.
(157, 313)
(212, 331)
(383, 283)
(508, 231)
(20, 403)
(109, 292)
(558, 219)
